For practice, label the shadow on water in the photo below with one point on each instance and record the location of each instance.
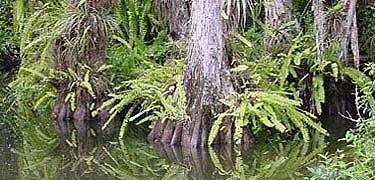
(337, 128)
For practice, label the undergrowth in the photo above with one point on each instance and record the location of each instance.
(357, 161)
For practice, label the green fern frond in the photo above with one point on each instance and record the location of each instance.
(274, 120)
(215, 128)
(318, 92)
(284, 71)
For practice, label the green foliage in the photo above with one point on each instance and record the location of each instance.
(129, 62)
(141, 69)
(367, 26)
(138, 44)
(33, 93)
(50, 25)
(268, 109)
(7, 97)
(136, 20)
(8, 35)
(354, 163)
(294, 71)
(357, 161)
(271, 88)
(365, 82)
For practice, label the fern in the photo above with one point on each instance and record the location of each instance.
(365, 100)
(269, 108)
(160, 91)
(34, 94)
(318, 92)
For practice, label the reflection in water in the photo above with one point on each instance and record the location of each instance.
(262, 162)
(39, 158)
(135, 159)
(280, 161)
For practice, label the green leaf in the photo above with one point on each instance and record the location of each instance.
(244, 40)
(284, 71)
(319, 92)
(88, 87)
(81, 3)
(335, 71)
(43, 98)
(215, 128)
(278, 125)
(239, 68)
(266, 122)
(123, 41)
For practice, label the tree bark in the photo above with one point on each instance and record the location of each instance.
(277, 13)
(175, 13)
(319, 28)
(206, 80)
(346, 31)
(83, 61)
(354, 41)
(206, 74)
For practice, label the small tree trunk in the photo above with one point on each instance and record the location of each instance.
(354, 41)
(348, 11)
(319, 28)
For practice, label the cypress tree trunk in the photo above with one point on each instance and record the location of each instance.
(206, 80)
(85, 89)
(206, 75)
(354, 41)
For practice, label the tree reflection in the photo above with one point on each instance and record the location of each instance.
(135, 159)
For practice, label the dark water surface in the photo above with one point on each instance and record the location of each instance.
(136, 159)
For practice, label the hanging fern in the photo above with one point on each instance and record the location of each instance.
(318, 92)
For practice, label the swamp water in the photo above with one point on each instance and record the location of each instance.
(136, 159)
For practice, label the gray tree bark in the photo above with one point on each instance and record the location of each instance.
(354, 41)
(348, 32)
(319, 28)
(206, 80)
(175, 13)
(206, 75)
(277, 13)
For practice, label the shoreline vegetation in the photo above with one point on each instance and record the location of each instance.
(196, 74)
